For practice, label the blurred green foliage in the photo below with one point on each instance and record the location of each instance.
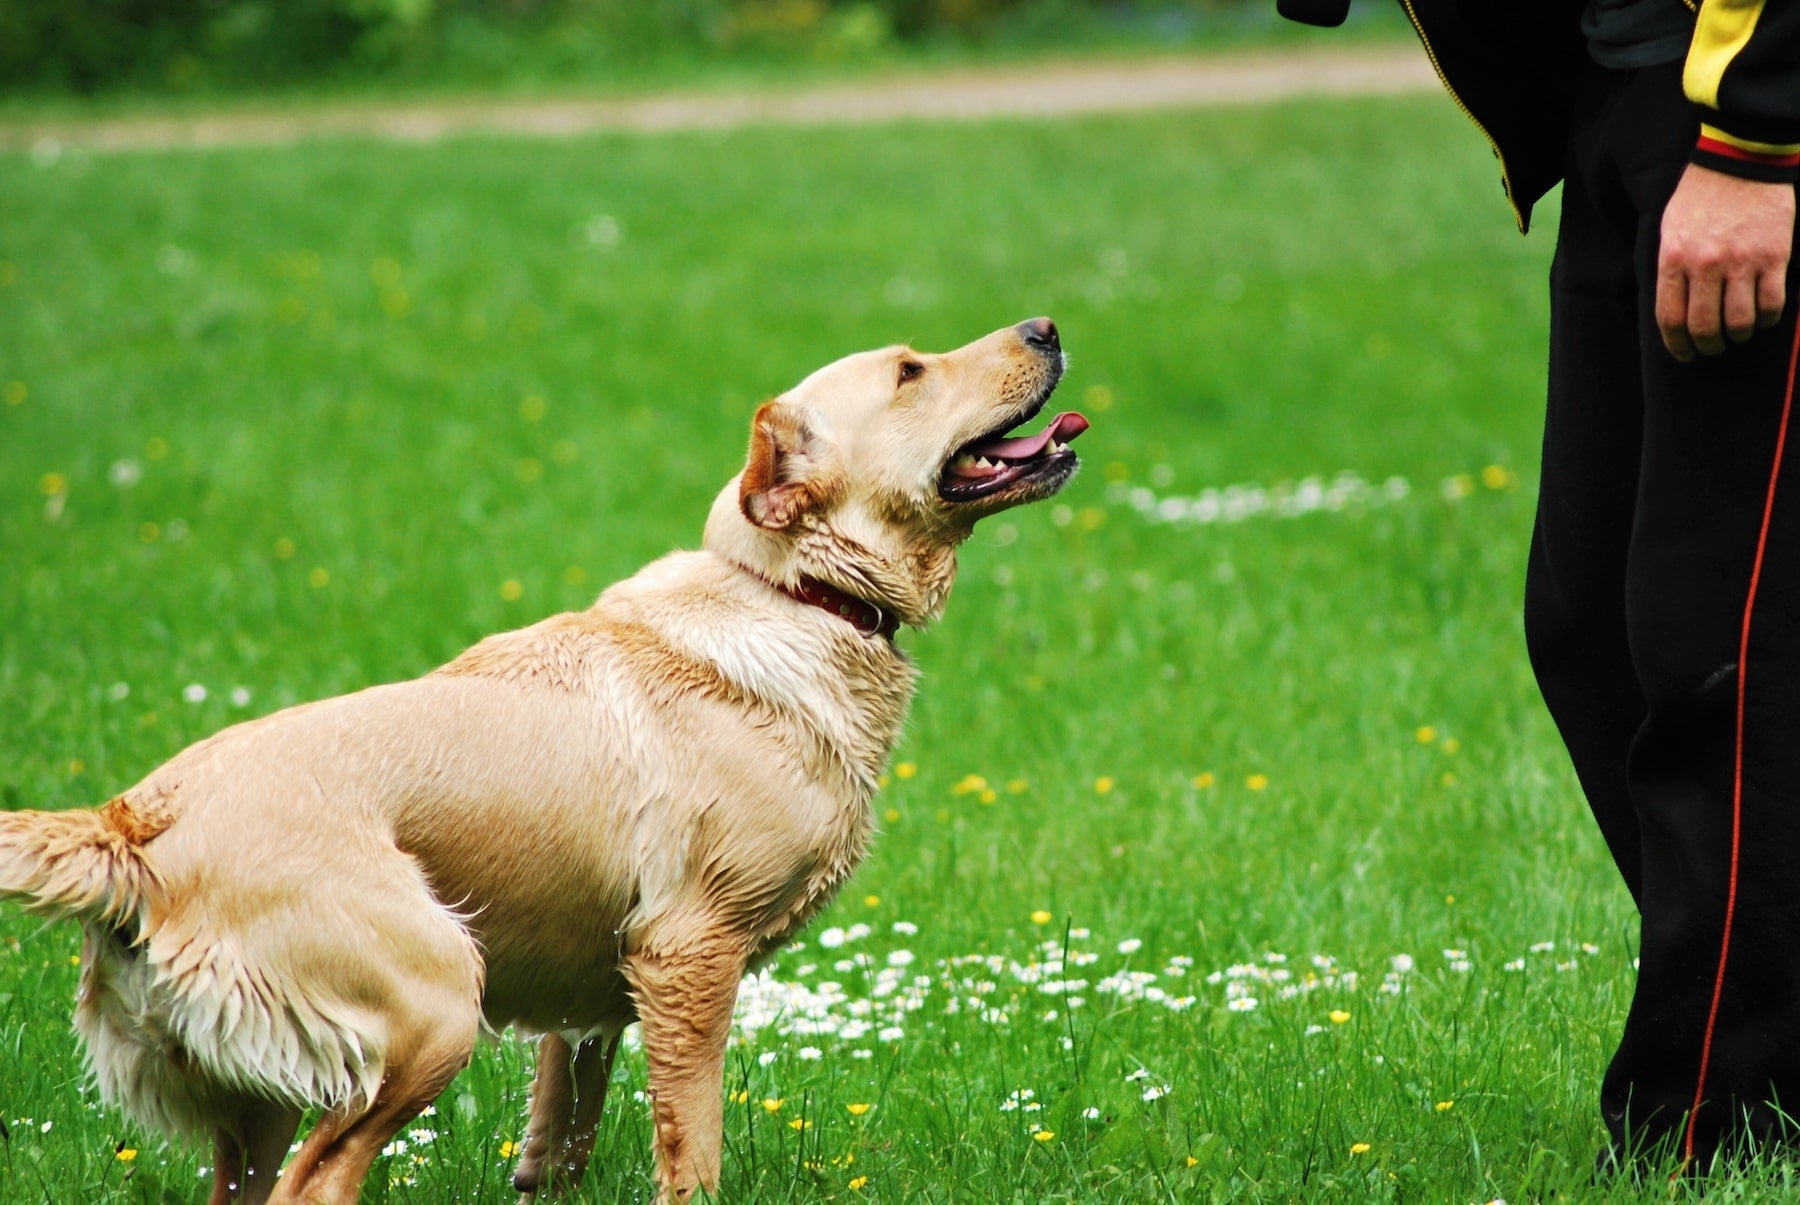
(182, 45)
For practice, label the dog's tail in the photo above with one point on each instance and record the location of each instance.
(85, 864)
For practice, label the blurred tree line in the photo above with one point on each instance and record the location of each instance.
(94, 45)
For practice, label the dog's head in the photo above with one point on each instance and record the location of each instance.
(871, 471)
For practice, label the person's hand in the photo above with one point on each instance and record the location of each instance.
(1722, 270)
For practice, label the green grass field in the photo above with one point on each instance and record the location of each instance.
(1229, 855)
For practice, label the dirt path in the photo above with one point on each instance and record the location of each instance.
(1044, 90)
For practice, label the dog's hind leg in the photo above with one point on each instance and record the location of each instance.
(248, 1150)
(684, 996)
(566, 1100)
(422, 979)
(335, 1158)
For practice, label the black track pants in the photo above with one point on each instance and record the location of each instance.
(1674, 681)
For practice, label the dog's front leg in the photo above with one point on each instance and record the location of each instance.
(552, 1103)
(684, 1000)
(566, 1099)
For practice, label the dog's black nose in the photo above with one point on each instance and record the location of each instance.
(1040, 333)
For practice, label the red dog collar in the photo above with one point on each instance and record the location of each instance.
(861, 614)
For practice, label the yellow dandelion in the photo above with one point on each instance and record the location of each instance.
(1017, 786)
(1359, 1148)
(319, 578)
(1448, 779)
(1444, 1106)
(969, 783)
(845, 1159)
(989, 795)
(1451, 744)
(1203, 780)
(149, 533)
(74, 960)
(1040, 917)
(285, 549)
(871, 901)
(511, 590)
(1103, 784)
(800, 1123)
(126, 1154)
(1257, 782)
(859, 1108)
(575, 575)
(529, 469)
(859, 1183)
(1192, 1162)
(740, 1097)
(1044, 1136)
(1338, 1016)
(891, 815)
(1449, 899)
(53, 483)
(508, 1148)
(531, 408)
(527, 320)
(1496, 477)
(15, 393)
(1091, 518)
(1425, 734)
(77, 767)
(905, 770)
(772, 1105)
(156, 448)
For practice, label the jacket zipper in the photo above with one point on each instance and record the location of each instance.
(1505, 173)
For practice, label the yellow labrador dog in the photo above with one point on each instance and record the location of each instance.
(603, 818)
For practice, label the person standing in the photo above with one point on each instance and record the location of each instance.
(1662, 609)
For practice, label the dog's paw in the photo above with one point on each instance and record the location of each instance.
(528, 1177)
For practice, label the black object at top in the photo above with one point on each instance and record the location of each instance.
(1328, 13)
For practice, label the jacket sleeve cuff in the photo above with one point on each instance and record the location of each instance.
(1721, 152)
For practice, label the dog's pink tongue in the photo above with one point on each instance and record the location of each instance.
(1065, 427)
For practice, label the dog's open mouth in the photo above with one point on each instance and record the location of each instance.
(997, 463)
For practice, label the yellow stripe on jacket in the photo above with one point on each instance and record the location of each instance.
(1744, 144)
(1720, 32)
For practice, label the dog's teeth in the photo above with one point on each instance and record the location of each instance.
(1056, 447)
(985, 463)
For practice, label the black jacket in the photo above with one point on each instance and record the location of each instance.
(1513, 64)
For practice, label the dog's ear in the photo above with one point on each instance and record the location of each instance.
(787, 474)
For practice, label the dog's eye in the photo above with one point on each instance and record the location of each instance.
(910, 370)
